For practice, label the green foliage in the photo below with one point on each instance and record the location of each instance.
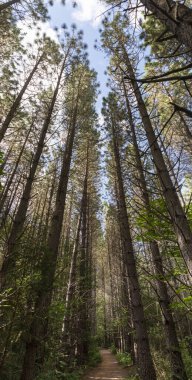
(124, 358)
(49, 375)
(77, 375)
(113, 349)
(162, 365)
(187, 302)
(57, 375)
(185, 349)
(60, 370)
(189, 209)
(12, 367)
(154, 226)
(94, 358)
(57, 311)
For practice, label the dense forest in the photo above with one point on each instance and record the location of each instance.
(96, 210)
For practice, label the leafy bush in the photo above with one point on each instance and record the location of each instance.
(48, 375)
(124, 358)
(94, 358)
(94, 353)
(162, 365)
(64, 375)
(113, 349)
(77, 375)
(187, 356)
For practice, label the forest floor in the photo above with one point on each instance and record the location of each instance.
(108, 369)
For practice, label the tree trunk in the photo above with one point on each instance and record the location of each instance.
(6, 158)
(126, 304)
(82, 346)
(11, 201)
(17, 101)
(8, 4)
(39, 326)
(170, 167)
(66, 328)
(179, 219)
(125, 291)
(144, 359)
(178, 368)
(187, 133)
(19, 220)
(177, 18)
(104, 307)
(112, 290)
(50, 200)
(10, 180)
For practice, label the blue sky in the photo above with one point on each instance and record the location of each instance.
(86, 17)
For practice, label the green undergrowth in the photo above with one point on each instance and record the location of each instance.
(186, 353)
(94, 357)
(124, 358)
(162, 364)
(161, 361)
(76, 375)
(113, 349)
(76, 372)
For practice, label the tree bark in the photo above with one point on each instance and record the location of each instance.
(6, 158)
(65, 339)
(39, 326)
(177, 18)
(112, 290)
(50, 199)
(178, 217)
(178, 368)
(82, 344)
(10, 180)
(17, 101)
(144, 359)
(125, 291)
(8, 207)
(19, 220)
(8, 4)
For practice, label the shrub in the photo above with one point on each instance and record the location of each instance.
(187, 356)
(94, 353)
(162, 365)
(113, 349)
(124, 358)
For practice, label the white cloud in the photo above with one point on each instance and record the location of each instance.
(30, 31)
(89, 11)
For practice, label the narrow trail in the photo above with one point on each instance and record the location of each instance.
(108, 369)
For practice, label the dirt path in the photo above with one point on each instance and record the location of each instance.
(109, 369)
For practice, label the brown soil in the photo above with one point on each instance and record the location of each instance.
(109, 369)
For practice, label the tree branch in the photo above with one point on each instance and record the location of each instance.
(155, 78)
(181, 109)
